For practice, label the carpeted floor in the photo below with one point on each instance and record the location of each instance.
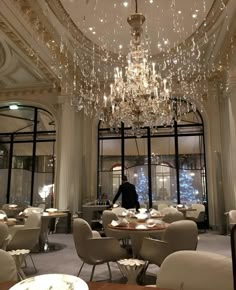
(66, 260)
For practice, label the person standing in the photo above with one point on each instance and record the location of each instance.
(129, 197)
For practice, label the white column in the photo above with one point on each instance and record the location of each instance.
(76, 155)
(228, 121)
(213, 154)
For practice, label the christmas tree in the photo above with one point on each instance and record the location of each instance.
(187, 190)
(142, 186)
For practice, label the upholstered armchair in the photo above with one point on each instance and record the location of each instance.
(171, 217)
(4, 234)
(198, 215)
(180, 235)
(232, 218)
(107, 217)
(32, 221)
(8, 267)
(196, 270)
(93, 249)
(25, 238)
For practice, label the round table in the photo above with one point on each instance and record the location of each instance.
(184, 210)
(43, 238)
(52, 282)
(137, 231)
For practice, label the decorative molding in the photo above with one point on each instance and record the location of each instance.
(11, 32)
(2, 56)
(29, 91)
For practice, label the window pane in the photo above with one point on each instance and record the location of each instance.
(21, 174)
(21, 120)
(4, 163)
(192, 169)
(45, 121)
(110, 157)
(163, 170)
(136, 165)
(44, 171)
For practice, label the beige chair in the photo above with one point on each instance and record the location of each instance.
(8, 270)
(198, 215)
(119, 210)
(232, 218)
(167, 210)
(4, 234)
(26, 238)
(32, 221)
(173, 217)
(180, 235)
(107, 217)
(196, 270)
(29, 210)
(161, 206)
(93, 249)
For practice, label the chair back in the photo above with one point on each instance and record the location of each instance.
(119, 210)
(181, 235)
(8, 267)
(167, 210)
(161, 206)
(107, 217)
(232, 216)
(29, 210)
(33, 220)
(81, 233)
(195, 214)
(173, 217)
(3, 235)
(196, 270)
(26, 238)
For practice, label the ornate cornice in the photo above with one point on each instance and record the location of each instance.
(11, 32)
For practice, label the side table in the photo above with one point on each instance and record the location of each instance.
(131, 268)
(19, 256)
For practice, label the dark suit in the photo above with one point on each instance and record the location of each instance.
(129, 195)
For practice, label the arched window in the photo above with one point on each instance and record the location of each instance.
(167, 163)
(27, 155)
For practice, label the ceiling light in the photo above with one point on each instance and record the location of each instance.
(90, 28)
(194, 15)
(13, 107)
(125, 4)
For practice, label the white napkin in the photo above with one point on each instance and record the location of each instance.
(120, 222)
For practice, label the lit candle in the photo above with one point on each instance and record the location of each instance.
(105, 100)
(153, 67)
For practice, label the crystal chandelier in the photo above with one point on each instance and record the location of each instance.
(141, 96)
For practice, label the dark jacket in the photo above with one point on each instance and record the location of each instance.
(129, 195)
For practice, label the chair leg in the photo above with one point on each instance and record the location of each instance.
(91, 277)
(80, 269)
(141, 275)
(32, 263)
(109, 269)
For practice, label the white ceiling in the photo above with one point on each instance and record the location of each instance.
(105, 21)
